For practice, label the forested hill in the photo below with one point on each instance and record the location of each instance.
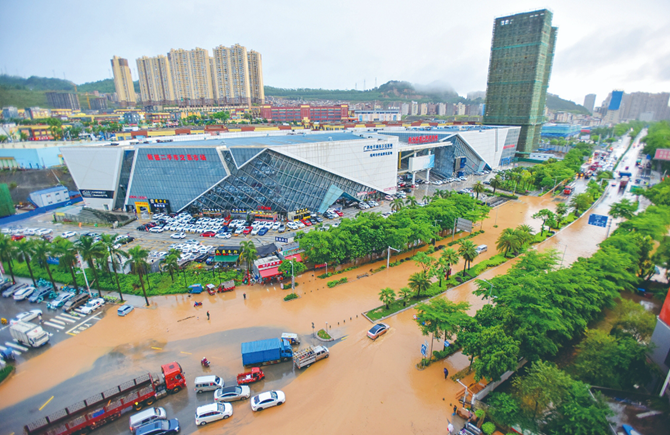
(554, 102)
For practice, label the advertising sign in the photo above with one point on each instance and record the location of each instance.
(421, 162)
(160, 205)
(101, 194)
(598, 220)
(662, 154)
(463, 225)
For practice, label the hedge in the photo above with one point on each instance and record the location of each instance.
(332, 284)
(5, 372)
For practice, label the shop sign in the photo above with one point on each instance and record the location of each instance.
(281, 239)
(372, 192)
(137, 197)
(269, 265)
(104, 194)
(226, 251)
(378, 147)
(260, 207)
(177, 157)
(302, 210)
(422, 139)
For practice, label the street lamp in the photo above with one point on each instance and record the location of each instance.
(490, 289)
(388, 257)
(563, 257)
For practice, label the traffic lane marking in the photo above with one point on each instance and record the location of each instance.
(46, 403)
(77, 326)
(186, 353)
(156, 348)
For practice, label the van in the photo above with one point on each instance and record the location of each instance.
(145, 417)
(207, 383)
(76, 301)
(481, 248)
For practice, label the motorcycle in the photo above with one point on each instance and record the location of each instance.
(205, 363)
(197, 304)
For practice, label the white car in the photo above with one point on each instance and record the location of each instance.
(223, 236)
(44, 231)
(276, 225)
(212, 412)
(178, 236)
(267, 399)
(26, 317)
(68, 234)
(29, 232)
(24, 293)
(256, 230)
(92, 305)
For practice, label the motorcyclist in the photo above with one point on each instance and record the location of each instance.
(204, 362)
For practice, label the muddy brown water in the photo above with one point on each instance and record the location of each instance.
(365, 386)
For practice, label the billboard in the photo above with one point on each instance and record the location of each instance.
(421, 162)
(662, 154)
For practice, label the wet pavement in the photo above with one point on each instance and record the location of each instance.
(364, 386)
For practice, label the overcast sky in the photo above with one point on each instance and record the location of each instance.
(602, 44)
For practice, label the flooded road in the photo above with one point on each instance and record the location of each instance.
(364, 385)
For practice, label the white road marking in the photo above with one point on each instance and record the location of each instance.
(16, 346)
(57, 321)
(71, 317)
(64, 319)
(82, 323)
(53, 325)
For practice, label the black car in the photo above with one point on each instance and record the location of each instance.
(159, 427)
(5, 285)
(318, 219)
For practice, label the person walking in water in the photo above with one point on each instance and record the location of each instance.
(446, 373)
(207, 315)
(245, 296)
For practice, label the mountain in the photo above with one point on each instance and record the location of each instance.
(34, 83)
(105, 86)
(554, 102)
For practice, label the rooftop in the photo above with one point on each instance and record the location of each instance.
(266, 140)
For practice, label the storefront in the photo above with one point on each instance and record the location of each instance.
(227, 254)
(268, 268)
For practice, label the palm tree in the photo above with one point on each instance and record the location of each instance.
(25, 250)
(67, 257)
(437, 194)
(42, 251)
(449, 257)
(561, 211)
(479, 188)
(468, 252)
(249, 253)
(405, 293)
(7, 251)
(496, 183)
(108, 244)
(137, 258)
(90, 252)
(508, 241)
(387, 295)
(419, 282)
(397, 204)
(524, 233)
(411, 201)
(171, 263)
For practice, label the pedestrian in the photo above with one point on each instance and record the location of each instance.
(207, 315)
(40, 318)
(245, 296)
(455, 409)
(446, 373)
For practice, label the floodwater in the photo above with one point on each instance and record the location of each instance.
(364, 386)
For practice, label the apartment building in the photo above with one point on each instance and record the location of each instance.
(156, 85)
(123, 82)
(256, 77)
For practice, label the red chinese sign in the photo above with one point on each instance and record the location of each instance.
(180, 157)
(662, 154)
(422, 139)
(269, 265)
(260, 207)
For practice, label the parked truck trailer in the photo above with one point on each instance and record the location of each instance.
(265, 352)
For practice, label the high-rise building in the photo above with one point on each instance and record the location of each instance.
(239, 64)
(63, 100)
(590, 102)
(256, 77)
(191, 76)
(123, 82)
(156, 86)
(522, 52)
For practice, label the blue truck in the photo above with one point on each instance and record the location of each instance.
(265, 352)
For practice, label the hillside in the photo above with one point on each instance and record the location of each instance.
(554, 102)
(105, 86)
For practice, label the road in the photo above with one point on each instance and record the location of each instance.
(364, 386)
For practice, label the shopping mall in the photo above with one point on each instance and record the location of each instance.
(279, 172)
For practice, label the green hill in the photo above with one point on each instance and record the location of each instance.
(554, 102)
(34, 83)
(105, 86)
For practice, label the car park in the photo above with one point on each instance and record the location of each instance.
(26, 316)
(92, 305)
(23, 293)
(60, 300)
(267, 399)
(230, 394)
(377, 330)
(123, 310)
(39, 295)
(212, 412)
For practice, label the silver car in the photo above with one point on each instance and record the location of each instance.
(231, 394)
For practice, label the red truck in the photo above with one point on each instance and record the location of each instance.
(100, 409)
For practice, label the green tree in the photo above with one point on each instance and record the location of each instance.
(561, 212)
(448, 257)
(171, 263)
(137, 258)
(543, 385)
(67, 258)
(579, 413)
(441, 317)
(291, 268)
(405, 293)
(110, 253)
(249, 253)
(508, 241)
(419, 282)
(25, 250)
(468, 252)
(634, 320)
(581, 202)
(505, 409)
(90, 252)
(424, 261)
(545, 215)
(397, 204)
(411, 201)
(387, 296)
(7, 252)
(496, 183)
(497, 353)
(478, 188)
(623, 209)
(41, 251)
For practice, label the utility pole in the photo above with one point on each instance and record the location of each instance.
(388, 257)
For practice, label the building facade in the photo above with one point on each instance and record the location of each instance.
(156, 85)
(522, 54)
(590, 102)
(192, 78)
(256, 77)
(305, 112)
(377, 115)
(10, 112)
(123, 82)
(63, 100)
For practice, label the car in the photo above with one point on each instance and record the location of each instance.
(26, 316)
(481, 248)
(178, 236)
(339, 213)
(336, 224)
(256, 229)
(39, 295)
(43, 231)
(281, 228)
(24, 293)
(156, 230)
(377, 330)
(12, 289)
(92, 305)
(223, 236)
(276, 225)
(247, 230)
(159, 427)
(68, 234)
(76, 301)
(300, 224)
(212, 412)
(208, 234)
(239, 230)
(263, 231)
(124, 310)
(267, 399)
(60, 300)
(230, 394)
(17, 237)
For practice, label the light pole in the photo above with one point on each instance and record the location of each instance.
(292, 278)
(388, 257)
(563, 257)
(490, 289)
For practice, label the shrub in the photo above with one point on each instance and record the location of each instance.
(332, 284)
(5, 372)
(323, 334)
(488, 428)
(290, 296)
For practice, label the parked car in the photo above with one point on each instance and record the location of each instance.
(124, 310)
(178, 236)
(267, 399)
(26, 316)
(23, 293)
(92, 305)
(60, 300)
(212, 412)
(39, 295)
(230, 394)
(13, 289)
(247, 230)
(481, 248)
(208, 234)
(378, 330)
(76, 301)
(281, 228)
(68, 234)
(263, 231)
(159, 427)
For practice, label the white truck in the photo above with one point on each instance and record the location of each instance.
(309, 355)
(29, 334)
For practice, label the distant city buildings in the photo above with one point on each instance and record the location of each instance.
(10, 112)
(123, 82)
(187, 78)
(377, 115)
(522, 53)
(590, 102)
(63, 100)
(643, 106)
(305, 112)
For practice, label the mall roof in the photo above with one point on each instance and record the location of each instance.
(266, 140)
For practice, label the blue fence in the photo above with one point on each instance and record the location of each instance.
(40, 210)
